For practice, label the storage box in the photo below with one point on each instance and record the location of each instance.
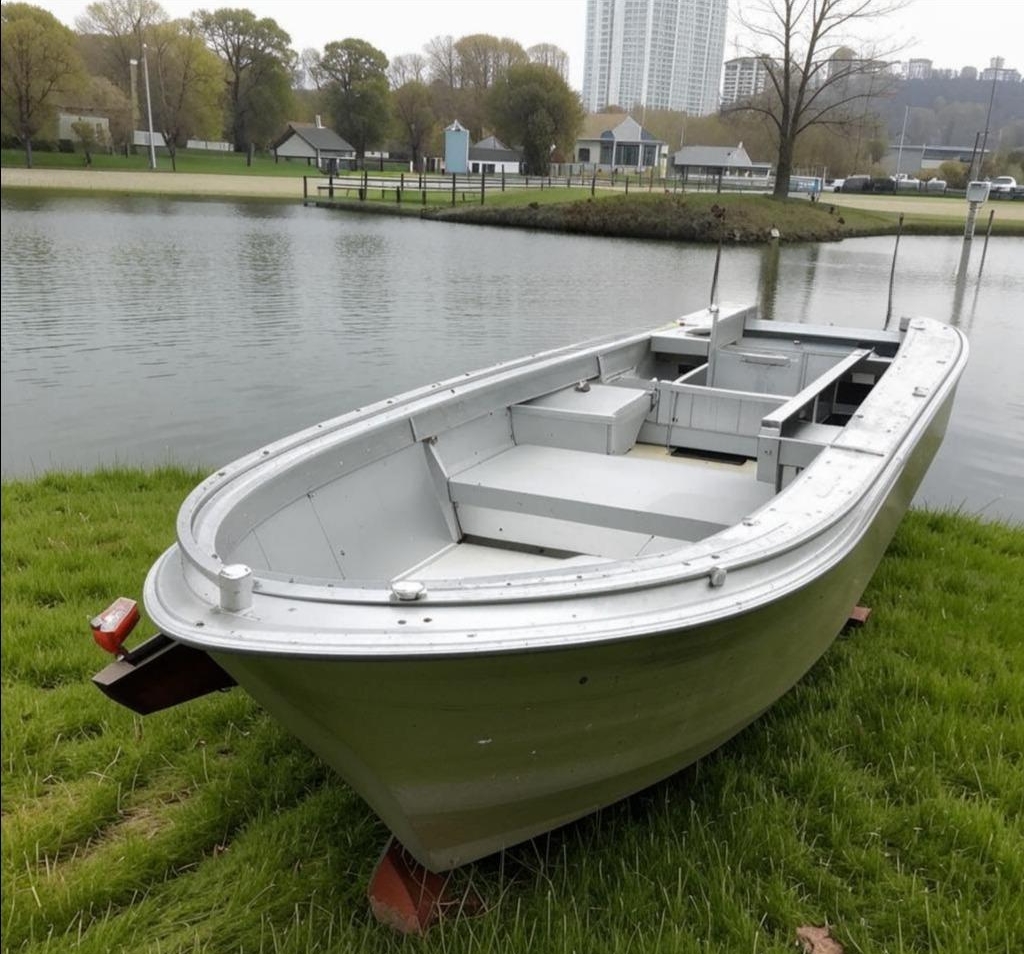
(600, 418)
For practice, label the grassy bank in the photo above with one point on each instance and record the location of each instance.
(884, 795)
(690, 217)
(186, 162)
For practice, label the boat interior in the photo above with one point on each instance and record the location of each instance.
(601, 454)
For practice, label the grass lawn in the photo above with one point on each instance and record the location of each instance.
(883, 796)
(194, 161)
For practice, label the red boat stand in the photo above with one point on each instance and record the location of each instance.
(410, 898)
(858, 617)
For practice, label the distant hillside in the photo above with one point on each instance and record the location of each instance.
(951, 112)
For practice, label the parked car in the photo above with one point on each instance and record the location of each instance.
(905, 183)
(935, 186)
(857, 184)
(836, 185)
(883, 184)
(1001, 187)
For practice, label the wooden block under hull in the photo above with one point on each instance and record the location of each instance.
(159, 674)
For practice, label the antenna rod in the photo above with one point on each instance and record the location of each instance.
(892, 273)
(713, 304)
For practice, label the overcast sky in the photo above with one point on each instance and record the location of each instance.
(952, 33)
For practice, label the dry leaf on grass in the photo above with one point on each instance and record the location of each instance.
(817, 940)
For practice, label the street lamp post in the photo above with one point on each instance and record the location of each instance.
(149, 109)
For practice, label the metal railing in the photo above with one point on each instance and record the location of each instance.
(475, 187)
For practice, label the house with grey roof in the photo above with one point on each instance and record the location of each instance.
(492, 155)
(315, 143)
(609, 142)
(714, 162)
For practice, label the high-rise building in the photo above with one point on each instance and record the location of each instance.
(657, 54)
(919, 68)
(743, 79)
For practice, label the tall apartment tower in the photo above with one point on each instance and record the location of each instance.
(658, 54)
(745, 76)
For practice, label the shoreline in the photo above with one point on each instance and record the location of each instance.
(157, 182)
(931, 214)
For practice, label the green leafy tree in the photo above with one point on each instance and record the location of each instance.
(532, 106)
(259, 63)
(38, 61)
(813, 78)
(89, 136)
(108, 99)
(353, 75)
(482, 61)
(189, 86)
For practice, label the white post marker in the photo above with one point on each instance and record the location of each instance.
(977, 193)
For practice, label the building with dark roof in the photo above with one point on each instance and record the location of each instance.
(315, 143)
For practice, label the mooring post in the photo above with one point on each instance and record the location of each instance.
(984, 248)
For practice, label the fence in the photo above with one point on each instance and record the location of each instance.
(465, 187)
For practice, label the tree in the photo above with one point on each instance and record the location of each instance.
(414, 117)
(259, 64)
(121, 27)
(547, 54)
(483, 59)
(407, 68)
(354, 75)
(89, 136)
(108, 99)
(812, 78)
(442, 61)
(38, 60)
(189, 86)
(532, 105)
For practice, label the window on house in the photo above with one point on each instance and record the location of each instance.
(584, 154)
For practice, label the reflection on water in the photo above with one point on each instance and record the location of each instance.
(145, 330)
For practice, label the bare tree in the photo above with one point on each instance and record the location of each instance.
(407, 68)
(547, 54)
(443, 61)
(123, 26)
(814, 78)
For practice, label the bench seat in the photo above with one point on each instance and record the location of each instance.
(654, 502)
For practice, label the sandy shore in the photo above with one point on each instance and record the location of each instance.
(154, 183)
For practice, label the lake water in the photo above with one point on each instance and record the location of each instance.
(145, 331)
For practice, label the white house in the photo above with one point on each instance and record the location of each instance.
(489, 156)
(610, 141)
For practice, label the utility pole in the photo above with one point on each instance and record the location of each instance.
(149, 110)
(988, 118)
